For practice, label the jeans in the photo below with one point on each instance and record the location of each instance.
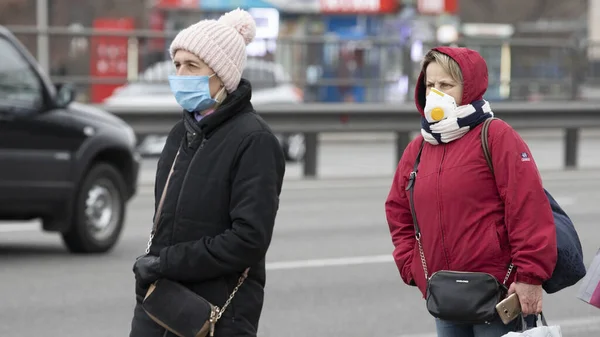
(495, 329)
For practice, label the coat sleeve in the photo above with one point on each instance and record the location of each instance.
(257, 179)
(528, 216)
(400, 222)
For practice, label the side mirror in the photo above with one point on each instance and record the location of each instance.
(65, 94)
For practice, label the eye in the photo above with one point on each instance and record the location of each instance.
(429, 85)
(177, 65)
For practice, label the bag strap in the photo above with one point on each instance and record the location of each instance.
(411, 196)
(524, 325)
(237, 287)
(411, 185)
(488, 158)
(485, 144)
(161, 202)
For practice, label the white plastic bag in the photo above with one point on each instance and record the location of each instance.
(589, 291)
(540, 331)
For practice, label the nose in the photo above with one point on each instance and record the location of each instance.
(182, 71)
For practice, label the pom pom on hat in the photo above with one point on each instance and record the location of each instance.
(221, 44)
(242, 22)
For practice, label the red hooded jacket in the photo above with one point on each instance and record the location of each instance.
(471, 219)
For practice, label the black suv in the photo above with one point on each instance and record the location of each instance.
(71, 165)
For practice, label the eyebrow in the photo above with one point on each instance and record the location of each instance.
(188, 61)
(444, 81)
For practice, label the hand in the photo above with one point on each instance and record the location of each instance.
(147, 270)
(530, 297)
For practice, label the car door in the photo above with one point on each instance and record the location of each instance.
(35, 142)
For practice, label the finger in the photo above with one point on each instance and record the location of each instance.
(511, 289)
(532, 308)
(526, 308)
(538, 307)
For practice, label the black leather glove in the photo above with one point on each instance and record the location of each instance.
(146, 270)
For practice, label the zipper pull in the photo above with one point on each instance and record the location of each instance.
(411, 180)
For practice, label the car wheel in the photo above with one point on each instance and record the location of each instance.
(99, 211)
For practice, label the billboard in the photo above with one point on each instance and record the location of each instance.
(166, 4)
(226, 5)
(358, 6)
(437, 7)
(306, 6)
(108, 55)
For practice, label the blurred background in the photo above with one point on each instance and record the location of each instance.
(328, 50)
(331, 65)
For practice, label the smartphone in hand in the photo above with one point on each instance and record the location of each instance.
(509, 308)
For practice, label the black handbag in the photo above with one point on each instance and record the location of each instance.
(462, 297)
(174, 306)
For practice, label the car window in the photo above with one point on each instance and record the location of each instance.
(19, 86)
(260, 78)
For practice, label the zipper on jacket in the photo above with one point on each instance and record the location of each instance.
(440, 207)
(183, 183)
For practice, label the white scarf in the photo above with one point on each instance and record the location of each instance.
(453, 128)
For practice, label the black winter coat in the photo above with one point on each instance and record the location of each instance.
(219, 211)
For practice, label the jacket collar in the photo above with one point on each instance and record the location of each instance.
(236, 103)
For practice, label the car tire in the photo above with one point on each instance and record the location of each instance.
(99, 211)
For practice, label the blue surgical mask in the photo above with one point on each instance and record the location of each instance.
(192, 92)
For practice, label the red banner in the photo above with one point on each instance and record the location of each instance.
(157, 24)
(108, 55)
(359, 6)
(437, 7)
(177, 4)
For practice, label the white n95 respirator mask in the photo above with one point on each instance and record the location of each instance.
(439, 106)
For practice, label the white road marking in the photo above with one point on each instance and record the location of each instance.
(333, 262)
(583, 324)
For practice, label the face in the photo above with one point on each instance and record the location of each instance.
(188, 64)
(436, 77)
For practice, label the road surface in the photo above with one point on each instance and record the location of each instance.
(330, 271)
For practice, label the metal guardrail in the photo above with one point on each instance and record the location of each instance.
(555, 68)
(312, 119)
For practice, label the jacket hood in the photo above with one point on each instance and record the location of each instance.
(474, 72)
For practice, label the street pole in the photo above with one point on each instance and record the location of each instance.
(594, 31)
(43, 44)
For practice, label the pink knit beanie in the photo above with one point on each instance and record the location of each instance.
(221, 44)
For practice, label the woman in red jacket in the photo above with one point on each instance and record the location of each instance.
(471, 219)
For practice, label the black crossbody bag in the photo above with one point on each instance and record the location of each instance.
(174, 306)
(462, 297)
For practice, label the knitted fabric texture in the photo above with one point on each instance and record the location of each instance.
(451, 129)
(221, 44)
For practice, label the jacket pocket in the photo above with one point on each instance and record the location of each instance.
(496, 238)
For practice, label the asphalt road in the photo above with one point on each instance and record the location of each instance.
(330, 271)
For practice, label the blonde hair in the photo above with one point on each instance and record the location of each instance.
(446, 62)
